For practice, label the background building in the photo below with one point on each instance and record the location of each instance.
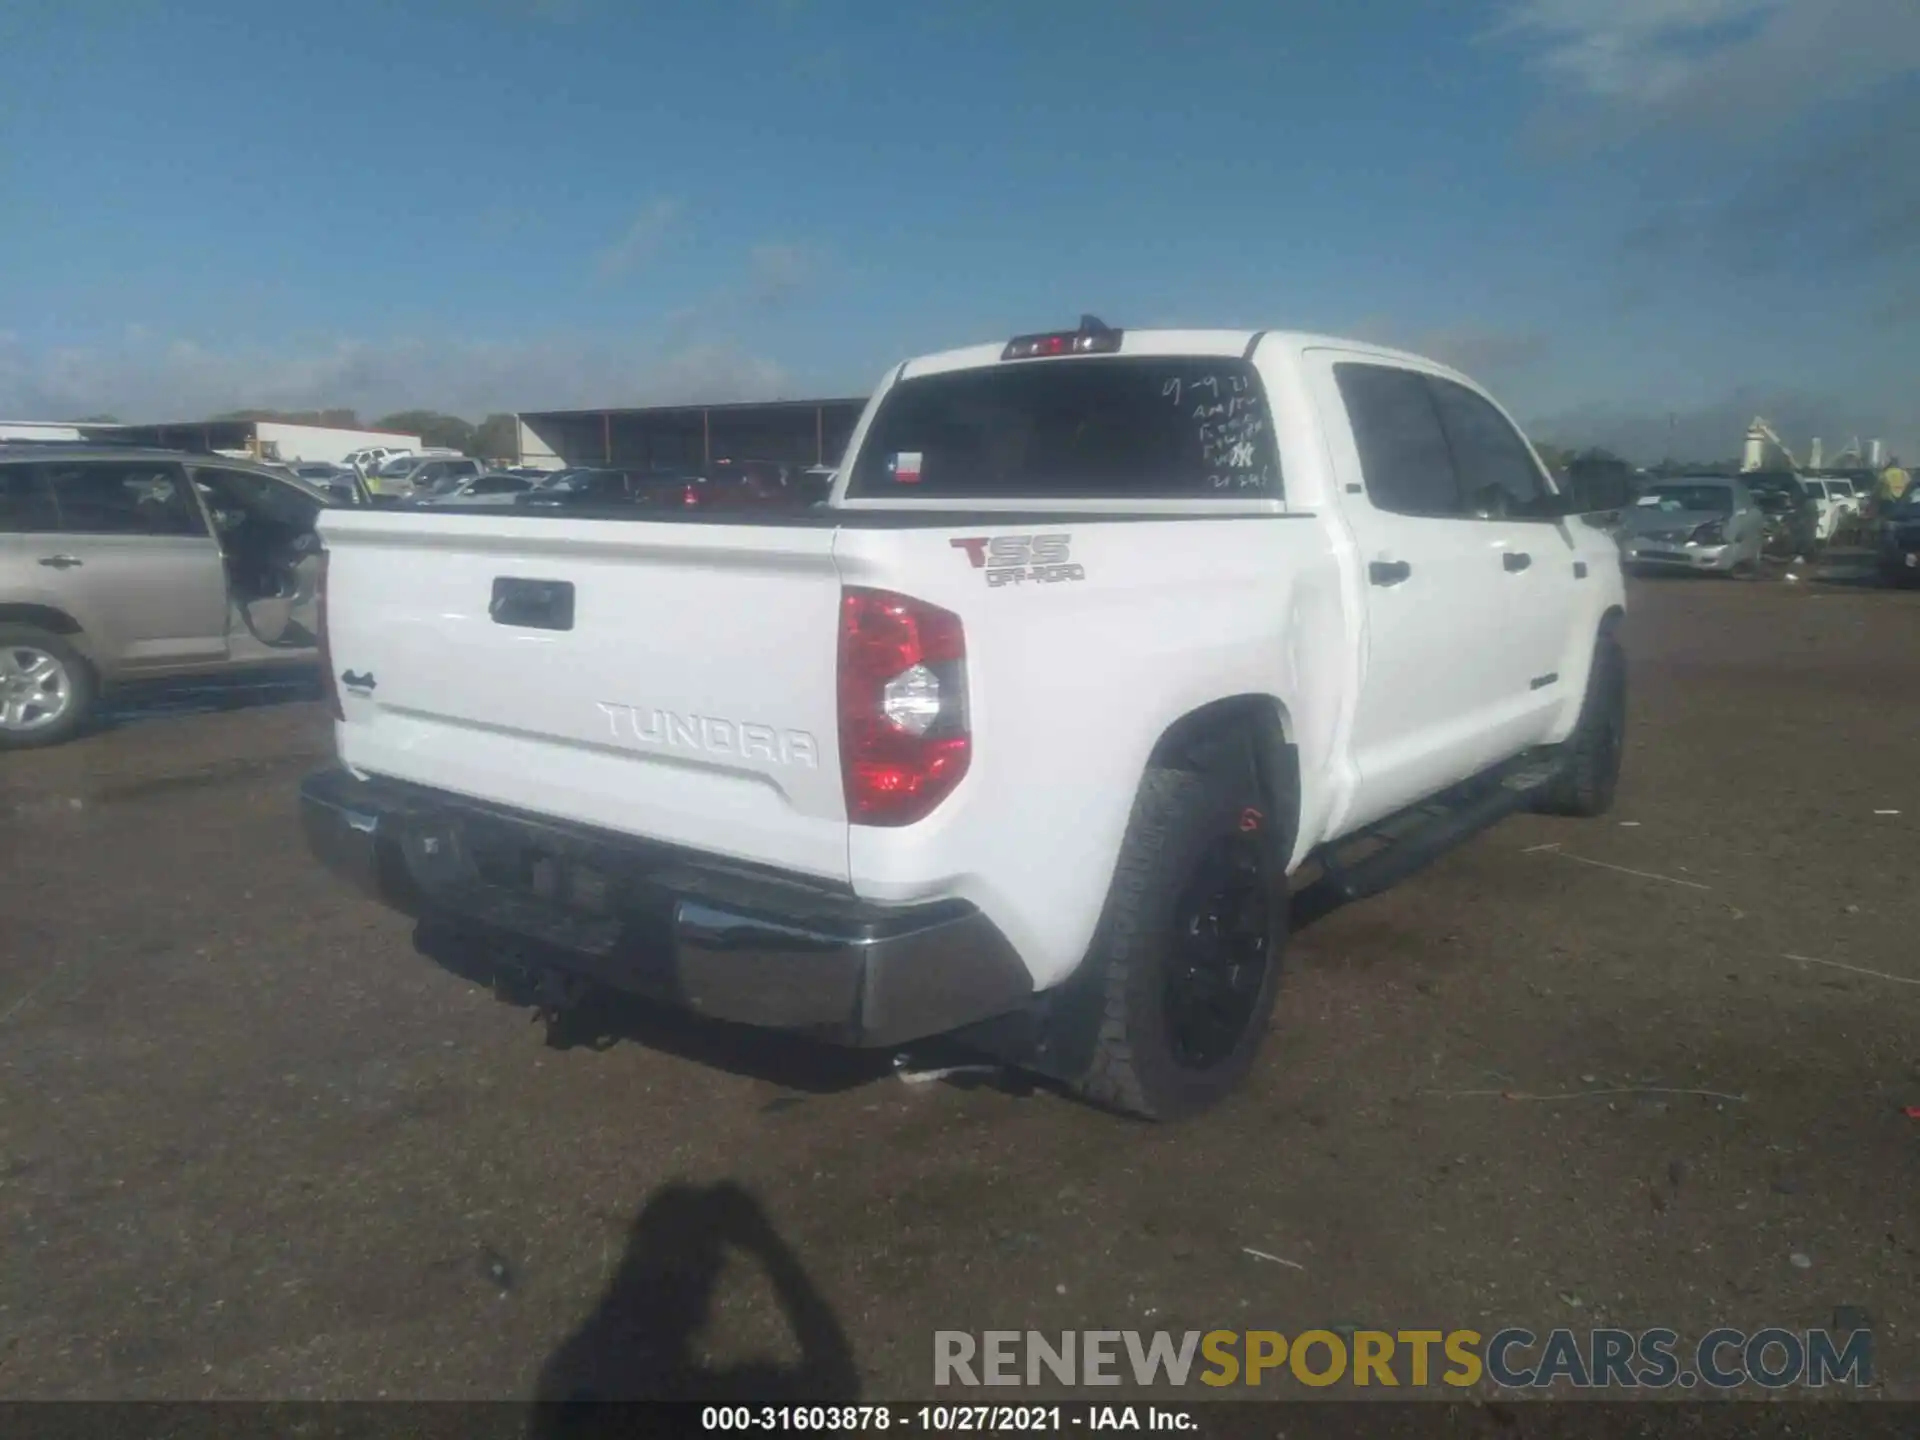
(72, 431)
(800, 432)
(261, 439)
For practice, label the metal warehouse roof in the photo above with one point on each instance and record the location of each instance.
(733, 406)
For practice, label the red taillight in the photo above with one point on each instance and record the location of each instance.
(328, 679)
(690, 496)
(904, 742)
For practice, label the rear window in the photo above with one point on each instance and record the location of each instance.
(1134, 427)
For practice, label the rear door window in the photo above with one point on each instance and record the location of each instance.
(102, 497)
(1132, 427)
(26, 504)
(1404, 456)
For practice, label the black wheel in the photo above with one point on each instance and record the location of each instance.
(1591, 757)
(1188, 951)
(47, 689)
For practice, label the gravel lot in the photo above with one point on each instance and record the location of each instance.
(258, 1139)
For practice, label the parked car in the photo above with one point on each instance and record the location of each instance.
(578, 487)
(420, 473)
(1152, 560)
(1793, 516)
(340, 484)
(755, 484)
(620, 488)
(1898, 545)
(1703, 522)
(493, 488)
(1839, 504)
(371, 457)
(119, 564)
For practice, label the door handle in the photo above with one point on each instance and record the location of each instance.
(61, 562)
(1388, 572)
(1516, 560)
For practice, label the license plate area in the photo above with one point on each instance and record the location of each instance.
(532, 866)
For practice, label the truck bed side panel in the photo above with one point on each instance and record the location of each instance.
(1073, 682)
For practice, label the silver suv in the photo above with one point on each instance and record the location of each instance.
(119, 564)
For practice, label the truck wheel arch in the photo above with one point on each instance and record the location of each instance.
(1252, 734)
(1246, 740)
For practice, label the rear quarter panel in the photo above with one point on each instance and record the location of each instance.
(1604, 591)
(1071, 685)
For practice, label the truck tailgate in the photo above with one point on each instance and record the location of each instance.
(674, 682)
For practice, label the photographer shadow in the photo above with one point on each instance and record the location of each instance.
(638, 1343)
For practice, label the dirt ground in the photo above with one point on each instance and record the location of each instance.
(255, 1143)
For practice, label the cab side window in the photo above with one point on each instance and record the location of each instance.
(1499, 478)
(1404, 456)
(26, 503)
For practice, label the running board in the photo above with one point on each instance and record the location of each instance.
(1413, 839)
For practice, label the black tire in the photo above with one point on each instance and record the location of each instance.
(1188, 832)
(1590, 759)
(17, 641)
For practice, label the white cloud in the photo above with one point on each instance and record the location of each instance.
(140, 377)
(1746, 65)
(696, 353)
(640, 239)
(1631, 51)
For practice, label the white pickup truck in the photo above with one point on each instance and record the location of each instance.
(1099, 637)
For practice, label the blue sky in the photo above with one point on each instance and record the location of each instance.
(1632, 218)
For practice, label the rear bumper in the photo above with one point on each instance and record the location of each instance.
(688, 930)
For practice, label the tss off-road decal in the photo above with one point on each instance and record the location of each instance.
(1017, 559)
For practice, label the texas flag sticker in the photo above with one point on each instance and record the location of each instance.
(906, 467)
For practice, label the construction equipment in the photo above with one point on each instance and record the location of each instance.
(1759, 435)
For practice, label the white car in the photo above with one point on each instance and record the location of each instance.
(372, 457)
(1100, 637)
(1837, 501)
